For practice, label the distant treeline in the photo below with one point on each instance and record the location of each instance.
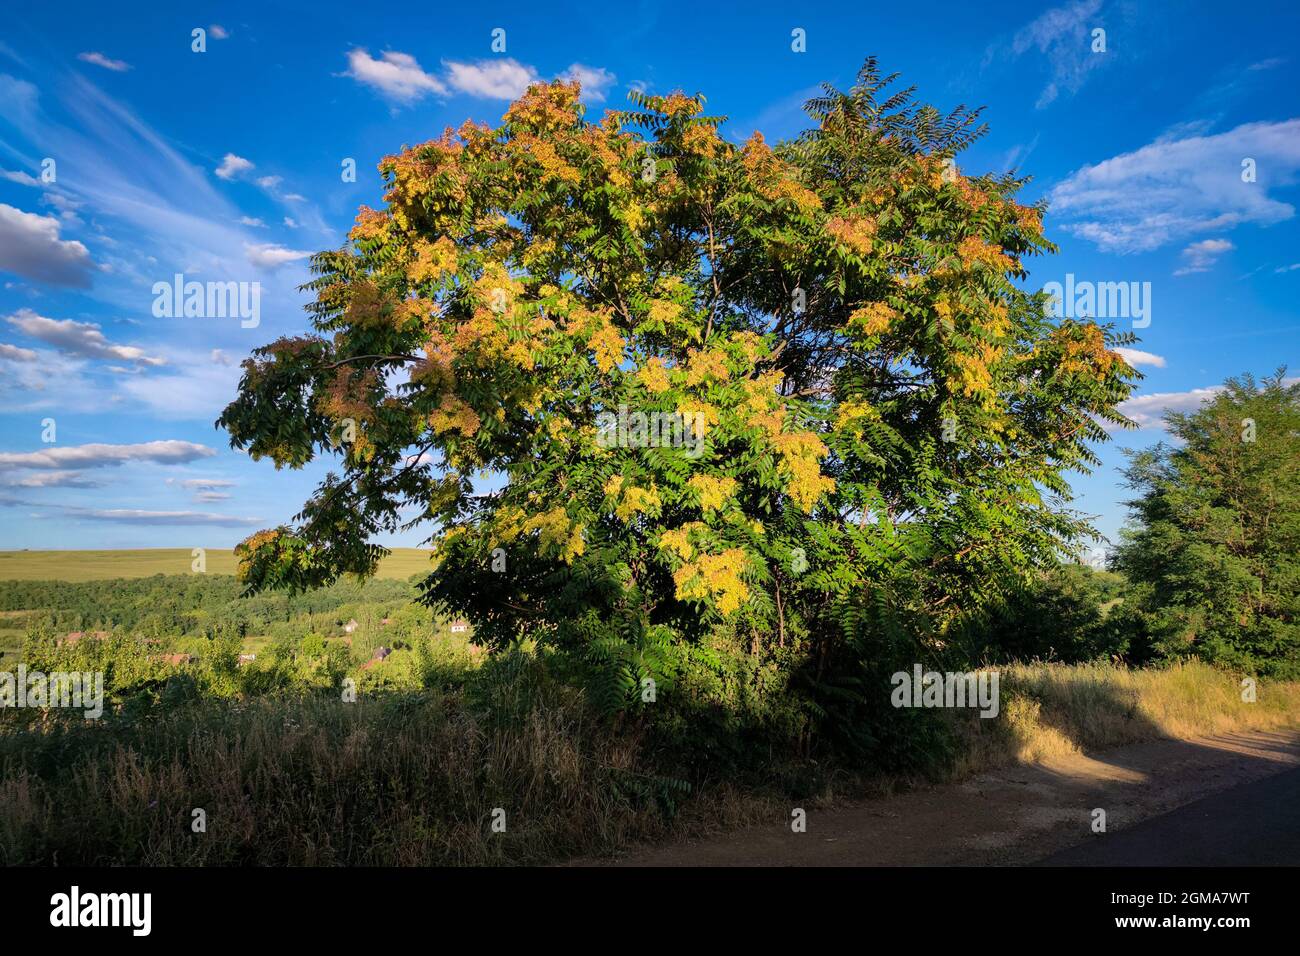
(206, 605)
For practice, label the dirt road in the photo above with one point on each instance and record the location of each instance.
(1017, 815)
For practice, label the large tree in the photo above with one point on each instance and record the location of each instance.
(883, 414)
(1213, 548)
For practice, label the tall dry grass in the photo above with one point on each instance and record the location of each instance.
(413, 778)
(1052, 710)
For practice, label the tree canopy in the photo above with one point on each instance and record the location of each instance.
(1213, 549)
(875, 411)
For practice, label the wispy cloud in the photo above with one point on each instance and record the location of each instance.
(1063, 35)
(1173, 189)
(269, 255)
(99, 455)
(1201, 256)
(98, 59)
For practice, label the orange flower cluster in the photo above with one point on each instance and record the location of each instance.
(772, 178)
(856, 232)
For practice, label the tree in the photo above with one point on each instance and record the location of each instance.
(862, 405)
(1213, 547)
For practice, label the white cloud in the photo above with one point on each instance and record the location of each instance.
(270, 255)
(117, 66)
(1200, 256)
(136, 516)
(499, 79)
(1149, 410)
(290, 222)
(1136, 357)
(30, 247)
(397, 76)
(97, 455)
(1174, 188)
(201, 484)
(232, 166)
(19, 177)
(251, 221)
(218, 32)
(83, 339)
(595, 80)
(53, 479)
(1291, 268)
(12, 353)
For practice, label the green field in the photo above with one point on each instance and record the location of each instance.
(105, 565)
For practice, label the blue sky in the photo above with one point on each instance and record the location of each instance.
(225, 164)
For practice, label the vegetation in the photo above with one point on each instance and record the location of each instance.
(870, 424)
(1215, 545)
(879, 415)
(400, 564)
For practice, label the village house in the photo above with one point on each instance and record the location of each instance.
(459, 627)
(350, 626)
(75, 636)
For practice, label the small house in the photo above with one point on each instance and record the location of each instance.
(350, 626)
(459, 627)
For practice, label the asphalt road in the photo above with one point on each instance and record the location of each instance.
(1255, 824)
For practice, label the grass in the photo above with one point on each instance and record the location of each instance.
(107, 565)
(414, 778)
(1056, 710)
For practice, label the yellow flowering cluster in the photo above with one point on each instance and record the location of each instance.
(1028, 218)
(702, 139)
(366, 305)
(715, 578)
(1085, 351)
(873, 318)
(607, 346)
(975, 251)
(678, 540)
(856, 232)
(557, 534)
(654, 376)
(706, 364)
(974, 370)
(414, 173)
(544, 155)
(772, 179)
(545, 107)
(370, 224)
(452, 414)
(801, 454)
(638, 500)
(432, 259)
(712, 492)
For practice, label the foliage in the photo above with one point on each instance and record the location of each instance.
(877, 411)
(1213, 548)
